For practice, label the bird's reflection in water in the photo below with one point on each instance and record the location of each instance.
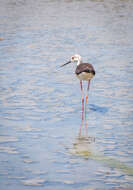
(83, 144)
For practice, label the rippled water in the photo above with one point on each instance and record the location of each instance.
(43, 142)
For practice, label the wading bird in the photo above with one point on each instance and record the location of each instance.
(84, 71)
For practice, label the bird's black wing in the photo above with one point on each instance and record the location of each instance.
(85, 67)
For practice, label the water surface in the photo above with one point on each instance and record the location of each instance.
(42, 144)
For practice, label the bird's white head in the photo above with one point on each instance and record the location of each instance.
(76, 58)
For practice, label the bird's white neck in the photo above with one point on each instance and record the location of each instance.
(79, 62)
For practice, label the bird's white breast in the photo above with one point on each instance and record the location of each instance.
(85, 76)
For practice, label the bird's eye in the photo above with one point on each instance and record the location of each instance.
(72, 58)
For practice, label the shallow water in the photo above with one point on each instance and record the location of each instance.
(42, 144)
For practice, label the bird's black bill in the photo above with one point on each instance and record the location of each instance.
(65, 64)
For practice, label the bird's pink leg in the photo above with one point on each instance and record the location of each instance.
(87, 97)
(81, 126)
(82, 99)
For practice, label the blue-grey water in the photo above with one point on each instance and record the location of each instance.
(42, 144)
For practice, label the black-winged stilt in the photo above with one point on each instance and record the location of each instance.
(84, 71)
